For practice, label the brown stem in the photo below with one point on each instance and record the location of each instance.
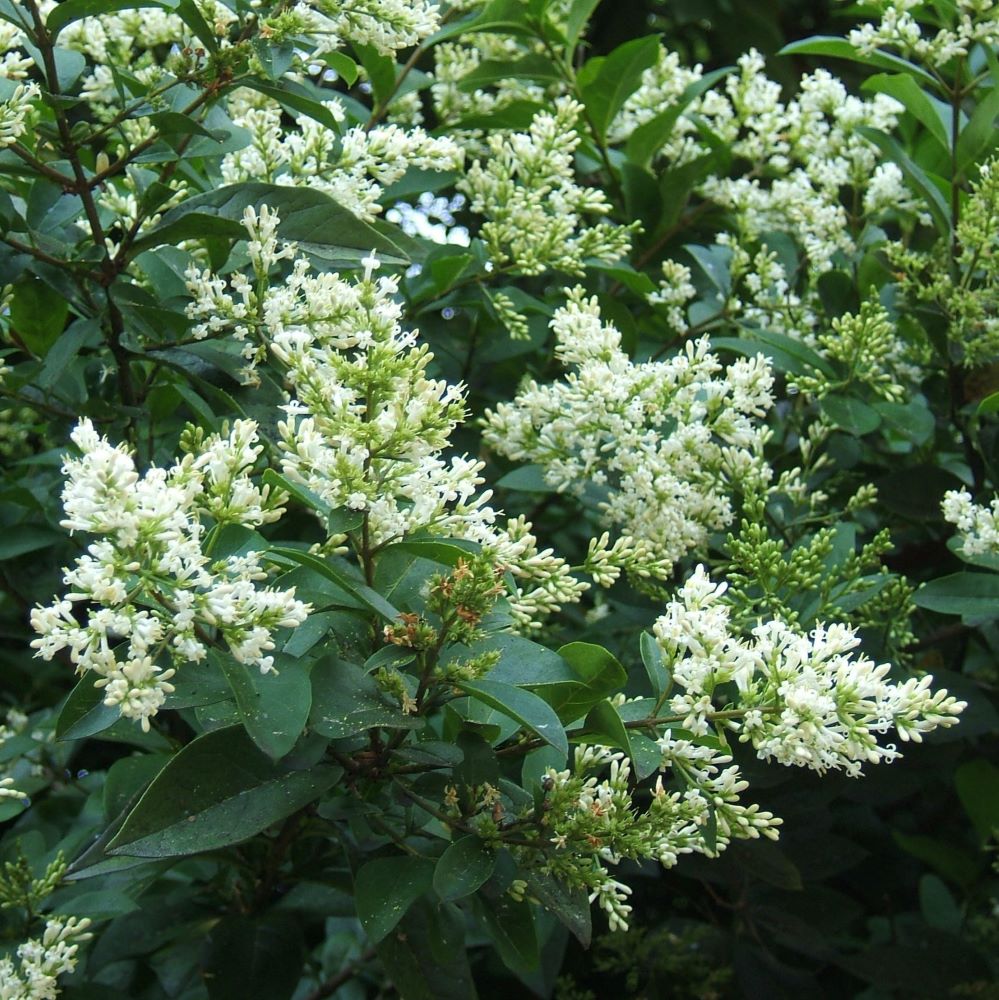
(328, 988)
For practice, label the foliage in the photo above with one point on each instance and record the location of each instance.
(397, 649)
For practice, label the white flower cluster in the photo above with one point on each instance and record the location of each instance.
(366, 427)
(978, 525)
(14, 111)
(535, 211)
(667, 441)
(596, 818)
(42, 960)
(971, 22)
(805, 700)
(386, 25)
(352, 168)
(800, 155)
(148, 587)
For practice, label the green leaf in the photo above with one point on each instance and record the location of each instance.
(301, 493)
(294, 97)
(386, 888)
(84, 713)
(608, 81)
(427, 956)
(570, 905)
(938, 906)
(274, 707)
(840, 48)
(785, 353)
(371, 599)
(346, 701)
(37, 315)
(655, 665)
(310, 218)
(974, 596)
(650, 136)
(448, 552)
(977, 784)
(20, 539)
(492, 71)
(522, 706)
(928, 111)
(852, 415)
(604, 721)
(219, 790)
(526, 479)
(344, 66)
(950, 861)
(579, 14)
(463, 868)
(979, 135)
(512, 927)
(918, 179)
(244, 957)
(599, 674)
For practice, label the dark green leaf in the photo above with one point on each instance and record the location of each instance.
(522, 706)
(371, 599)
(977, 784)
(928, 111)
(217, 791)
(852, 415)
(655, 665)
(608, 81)
(462, 868)
(274, 707)
(346, 700)
(974, 596)
(918, 179)
(840, 48)
(979, 135)
(386, 888)
(312, 219)
(570, 905)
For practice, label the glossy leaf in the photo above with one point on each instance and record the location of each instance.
(524, 707)
(386, 888)
(462, 868)
(219, 790)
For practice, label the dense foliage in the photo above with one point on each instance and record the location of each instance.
(463, 464)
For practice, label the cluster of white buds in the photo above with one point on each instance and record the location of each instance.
(353, 168)
(973, 21)
(977, 524)
(148, 587)
(535, 210)
(666, 441)
(15, 110)
(366, 427)
(807, 700)
(42, 960)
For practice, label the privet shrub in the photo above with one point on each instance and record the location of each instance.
(469, 455)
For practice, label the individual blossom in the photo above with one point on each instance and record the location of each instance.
(147, 597)
(802, 699)
(666, 442)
